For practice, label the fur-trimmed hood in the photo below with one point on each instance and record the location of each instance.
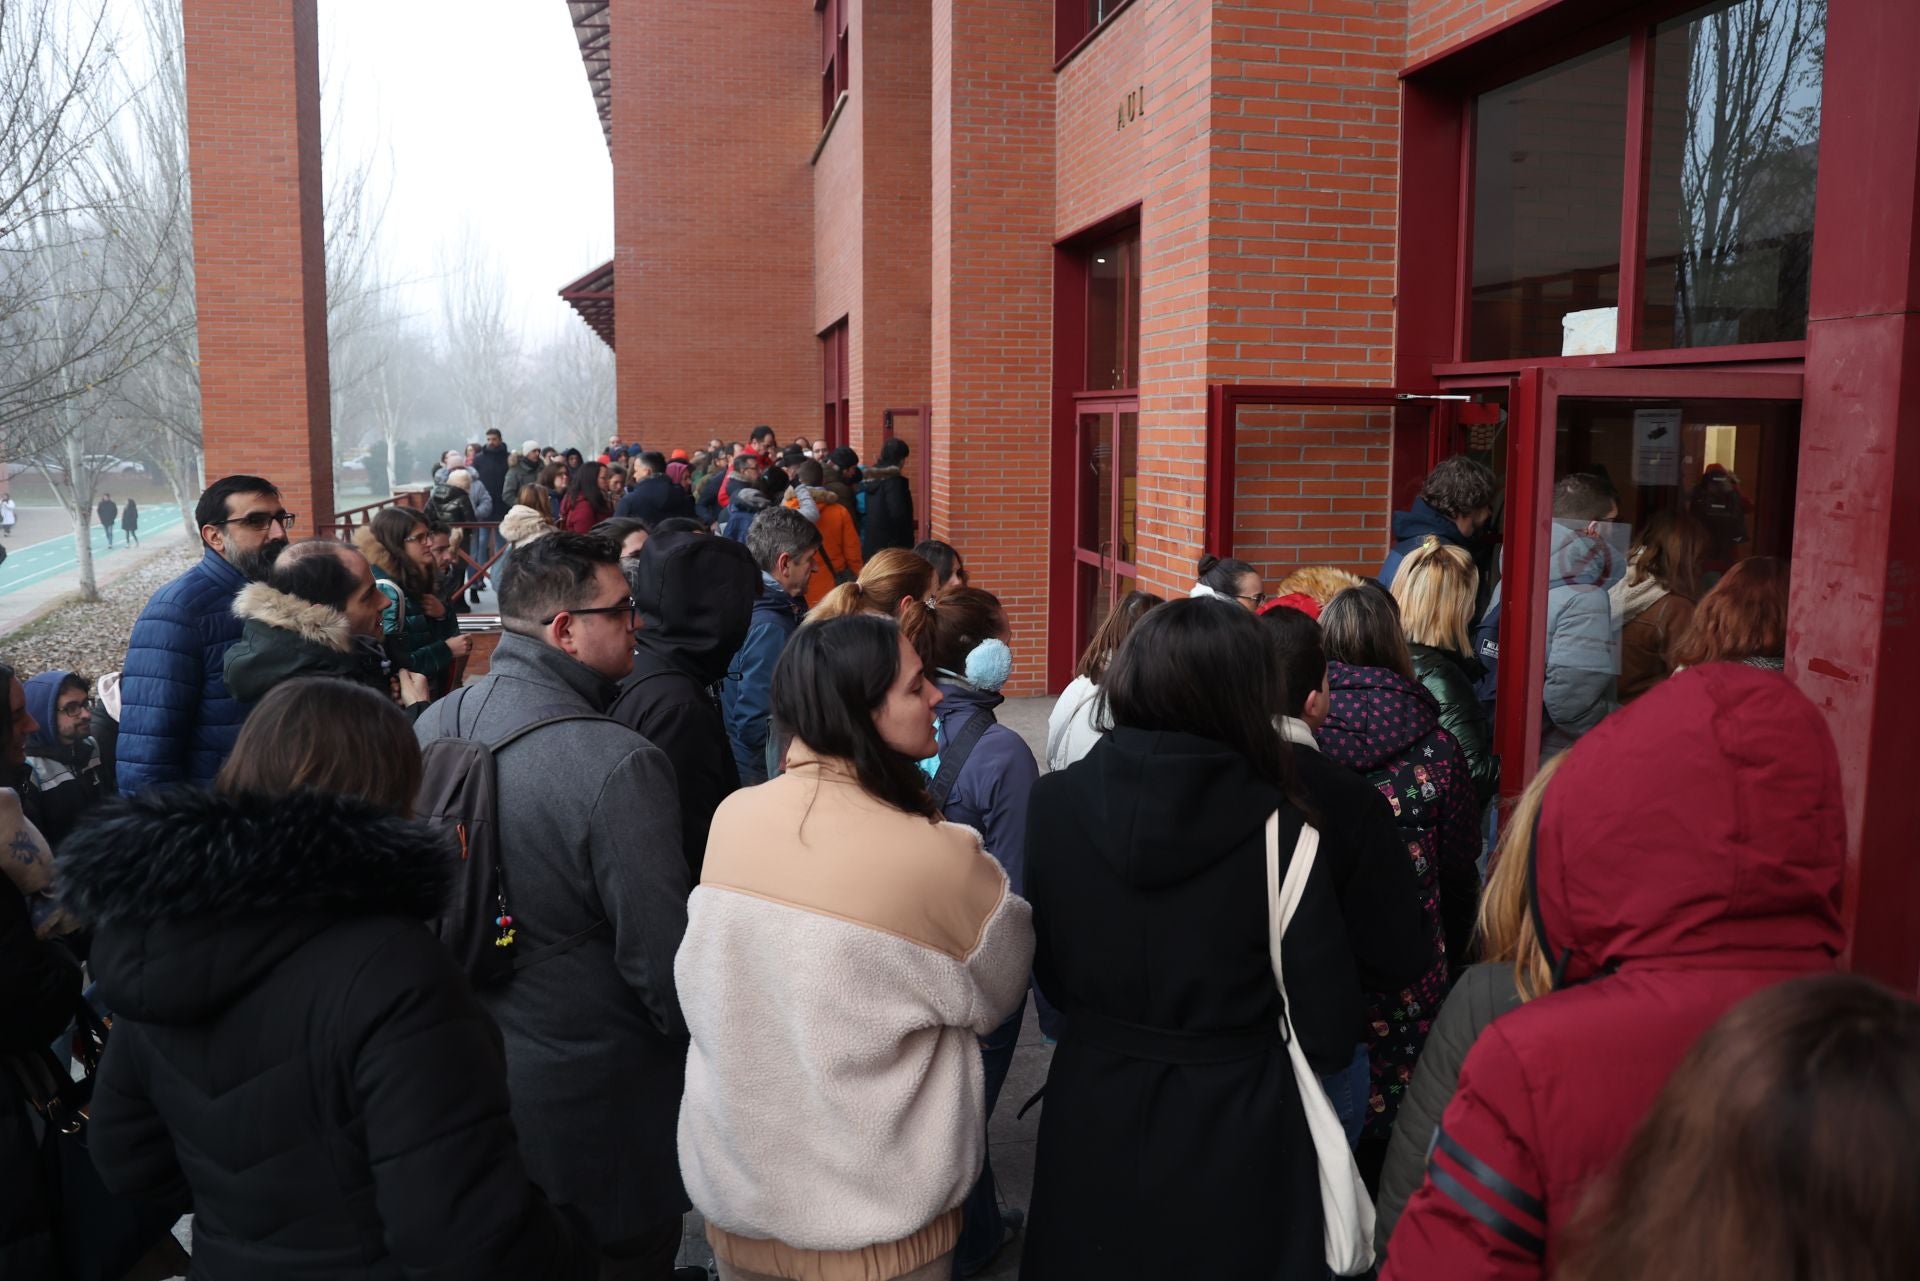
(874, 475)
(376, 553)
(195, 895)
(321, 625)
(522, 525)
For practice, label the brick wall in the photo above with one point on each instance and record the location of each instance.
(715, 113)
(992, 322)
(253, 131)
(1433, 26)
(893, 65)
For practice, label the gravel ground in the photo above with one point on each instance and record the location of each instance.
(92, 639)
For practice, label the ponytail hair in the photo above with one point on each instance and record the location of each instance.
(949, 624)
(892, 576)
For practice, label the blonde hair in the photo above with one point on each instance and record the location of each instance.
(1506, 925)
(890, 577)
(1435, 585)
(1321, 582)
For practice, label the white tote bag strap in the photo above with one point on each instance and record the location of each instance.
(1345, 1208)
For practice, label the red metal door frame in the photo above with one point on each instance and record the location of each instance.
(1533, 422)
(922, 459)
(1105, 559)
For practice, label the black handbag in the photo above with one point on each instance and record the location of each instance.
(98, 1235)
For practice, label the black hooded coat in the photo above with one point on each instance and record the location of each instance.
(696, 594)
(294, 1053)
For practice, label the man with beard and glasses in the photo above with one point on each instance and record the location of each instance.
(177, 719)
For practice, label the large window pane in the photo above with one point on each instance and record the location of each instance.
(1549, 166)
(1113, 315)
(1735, 135)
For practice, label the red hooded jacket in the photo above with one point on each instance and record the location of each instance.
(1689, 853)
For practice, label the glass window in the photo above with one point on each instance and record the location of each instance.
(1723, 471)
(1735, 133)
(1113, 314)
(1549, 170)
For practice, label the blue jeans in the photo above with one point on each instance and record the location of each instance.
(1348, 1090)
(981, 1227)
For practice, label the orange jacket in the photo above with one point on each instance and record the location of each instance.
(840, 545)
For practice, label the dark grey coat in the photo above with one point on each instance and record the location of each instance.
(1483, 994)
(589, 833)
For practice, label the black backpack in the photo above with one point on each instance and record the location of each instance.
(459, 790)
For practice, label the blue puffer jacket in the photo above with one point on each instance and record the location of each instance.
(990, 796)
(746, 696)
(177, 721)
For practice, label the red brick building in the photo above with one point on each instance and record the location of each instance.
(1146, 278)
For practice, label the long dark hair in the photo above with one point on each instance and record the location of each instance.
(1119, 624)
(831, 678)
(945, 559)
(1361, 628)
(391, 528)
(584, 487)
(1782, 1148)
(1191, 667)
(318, 734)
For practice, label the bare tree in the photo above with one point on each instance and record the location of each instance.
(575, 380)
(1753, 117)
(484, 357)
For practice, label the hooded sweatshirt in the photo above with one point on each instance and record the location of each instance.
(1690, 852)
(67, 776)
(1387, 728)
(287, 1042)
(1412, 526)
(696, 595)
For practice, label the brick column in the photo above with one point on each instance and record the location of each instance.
(716, 109)
(1854, 619)
(993, 165)
(253, 134)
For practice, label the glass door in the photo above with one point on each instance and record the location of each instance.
(1107, 456)
(1595, 457)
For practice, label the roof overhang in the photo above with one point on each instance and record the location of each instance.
(592, 297)
(592, 26)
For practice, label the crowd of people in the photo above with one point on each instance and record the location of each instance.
(725, 888)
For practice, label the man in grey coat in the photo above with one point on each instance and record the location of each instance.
(590, 848)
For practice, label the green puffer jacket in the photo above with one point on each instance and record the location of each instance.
(422, 638)
(1450, 678)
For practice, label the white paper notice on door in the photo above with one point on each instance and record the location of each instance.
(1656, 446)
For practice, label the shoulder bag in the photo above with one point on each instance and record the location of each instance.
(1346, 1211)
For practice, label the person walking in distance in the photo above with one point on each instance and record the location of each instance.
(108, 512)
(294, 1056)
(589, 845)
(844, 951)
(130, 522)
(9, 515)
(177, 720)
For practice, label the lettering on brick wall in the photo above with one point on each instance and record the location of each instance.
(1132, 109)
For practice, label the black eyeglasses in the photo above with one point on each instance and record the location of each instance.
(629, 607)
(259, 521)
(72, 709)
(1258, 599)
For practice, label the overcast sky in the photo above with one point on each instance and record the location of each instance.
(484, 109)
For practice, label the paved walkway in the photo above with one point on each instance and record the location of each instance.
(39, 573)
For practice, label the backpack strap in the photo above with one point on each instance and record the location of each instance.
(541, 719)
(953, 757)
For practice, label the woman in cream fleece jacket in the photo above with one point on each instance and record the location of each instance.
(844, 950)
